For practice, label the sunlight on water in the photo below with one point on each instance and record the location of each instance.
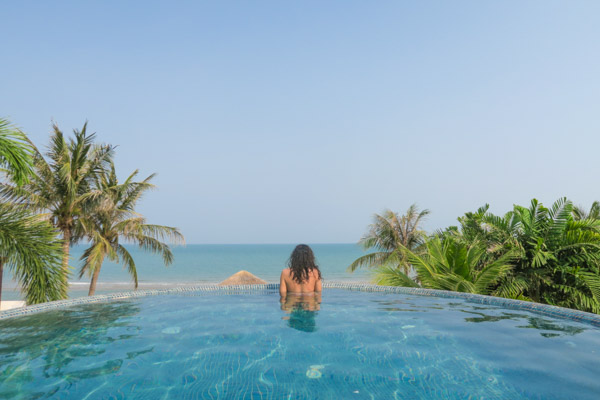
(345, 345)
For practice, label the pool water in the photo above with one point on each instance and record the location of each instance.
(347, 344)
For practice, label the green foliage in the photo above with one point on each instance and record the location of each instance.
(114, 219)
(558, 255)
(15, 153)
(579, 213)
(450, 264)
(62, 186)
(388, 233)
(29, 247)
(75, 188)
(548, 255)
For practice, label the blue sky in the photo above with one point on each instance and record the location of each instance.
(285, 122)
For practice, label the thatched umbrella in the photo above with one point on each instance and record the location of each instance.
(242, 278)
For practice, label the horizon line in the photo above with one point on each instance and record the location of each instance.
(238, 244)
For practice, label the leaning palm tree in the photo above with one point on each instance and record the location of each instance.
(388, 234)
(28, 245)
(62, 186)
(115, 220)
(450, 264)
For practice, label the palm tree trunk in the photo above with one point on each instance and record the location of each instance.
(66, 247)
(1, 272)
(95, 278)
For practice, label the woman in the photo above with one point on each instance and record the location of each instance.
(303, 275)
(302, 309)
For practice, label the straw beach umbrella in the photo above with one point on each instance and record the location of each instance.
(242, 278)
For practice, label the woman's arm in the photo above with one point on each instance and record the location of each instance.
(282, 286)
(318, 283)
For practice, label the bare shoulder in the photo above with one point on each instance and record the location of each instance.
(285, 272)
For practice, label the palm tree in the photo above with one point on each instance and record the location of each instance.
(62, 186)
(28, 244)
(579, 213)
(115, 220)
(449, 264)
(387, 234)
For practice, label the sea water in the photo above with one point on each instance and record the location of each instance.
(202, 263)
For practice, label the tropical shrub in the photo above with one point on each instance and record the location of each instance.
(548, 255)
(449, 264)
(557, 257)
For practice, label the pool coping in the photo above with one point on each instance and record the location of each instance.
(544, 309)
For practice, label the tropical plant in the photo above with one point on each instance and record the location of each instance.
(28, 245)
(62, 186)
(579, 213)
(387, 235)
(557, 257)
(15, 153)
(30, 249)
(116, 220)
(449, 264)
(554, 254)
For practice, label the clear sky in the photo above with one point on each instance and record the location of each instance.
(295, 121)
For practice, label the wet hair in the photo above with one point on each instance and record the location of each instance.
(302, 262)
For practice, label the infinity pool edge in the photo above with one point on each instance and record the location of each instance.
(544, 309)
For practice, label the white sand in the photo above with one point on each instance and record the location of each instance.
(7, 305)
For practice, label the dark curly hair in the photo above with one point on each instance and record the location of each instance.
(302, 262)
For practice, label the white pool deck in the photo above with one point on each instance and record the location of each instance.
(9, 305)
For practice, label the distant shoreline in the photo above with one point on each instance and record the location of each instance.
(202, 264)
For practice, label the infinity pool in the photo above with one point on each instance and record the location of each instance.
(347, 345)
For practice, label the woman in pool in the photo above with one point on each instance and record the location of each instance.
(303, 275)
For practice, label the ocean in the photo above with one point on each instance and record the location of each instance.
(203, 263)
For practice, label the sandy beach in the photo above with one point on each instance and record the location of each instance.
(10, 304)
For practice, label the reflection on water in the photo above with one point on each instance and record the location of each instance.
(63, 343)
(548, 328)
(538, 323)
(302, 308)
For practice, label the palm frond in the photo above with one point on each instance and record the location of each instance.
(370, 260)
(31, 250)
(15, 153)
(493, 272)
(390, 276)
(129, 263)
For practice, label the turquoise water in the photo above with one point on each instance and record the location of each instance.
(348, 345)
(196, 264)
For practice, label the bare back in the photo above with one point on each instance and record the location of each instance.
(288, 284)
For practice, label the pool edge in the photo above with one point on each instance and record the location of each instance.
(544, 309)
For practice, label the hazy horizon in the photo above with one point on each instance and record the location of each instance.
(282, 123)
